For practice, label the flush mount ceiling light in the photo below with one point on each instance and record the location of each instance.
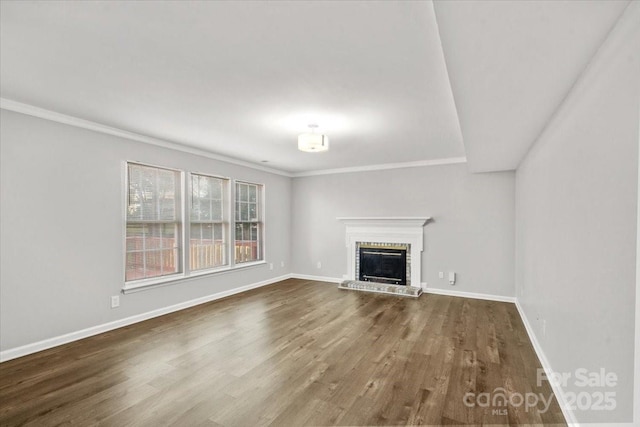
(313, 142)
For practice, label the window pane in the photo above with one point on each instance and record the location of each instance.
(170, 261)
(216, 189)
(204, 190)
(245, 232)
(169, 233)
(153, 263)
(135, 266)
(207, 233)
(219, 245)
(248, 207)
(152, 193)
(254, 251)
(197, 248)
(152, 241)
(148, 193)
(244, 211)
(135, 237)
(216, 211)
(195, 233)
(153, 236)
(207, 251)
(195, 186)
(205, 187)
(217, 232)
(254, 232)
(134, 203)
(166, 195)
(195, 243)
(205, 210)
(238, 231)
(207, 248)
(194, 211)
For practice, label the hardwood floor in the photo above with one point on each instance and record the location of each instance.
(290, 354)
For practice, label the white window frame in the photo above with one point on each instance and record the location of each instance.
(179, 221)
(261, 216)
(226, 227)
(183, 211)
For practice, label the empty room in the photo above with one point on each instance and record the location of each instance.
(319, 213)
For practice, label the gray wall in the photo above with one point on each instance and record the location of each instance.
(472, 232)
(59, 269)
(576, 201)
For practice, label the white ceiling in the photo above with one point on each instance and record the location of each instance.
(511, 64)
(242, 79)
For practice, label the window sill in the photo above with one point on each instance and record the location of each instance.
(143, 285)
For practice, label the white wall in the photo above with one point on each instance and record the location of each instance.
(472, 232)
(576, 201)
(59, 268)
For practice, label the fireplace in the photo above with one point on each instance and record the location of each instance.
(384, 254)
(383, 263)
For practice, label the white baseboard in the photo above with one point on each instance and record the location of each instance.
(569, 416)
(316, 278)
(473, 295)
(24, 350)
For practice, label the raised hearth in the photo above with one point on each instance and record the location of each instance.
(381, 288)
(381, 237)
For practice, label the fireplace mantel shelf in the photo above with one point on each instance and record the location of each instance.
(398, 221)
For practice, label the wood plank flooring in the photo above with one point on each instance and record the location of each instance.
(291, 354)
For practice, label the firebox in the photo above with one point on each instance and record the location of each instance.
(383, 263)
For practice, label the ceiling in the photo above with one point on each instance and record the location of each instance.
(242, 79)
(511, 64)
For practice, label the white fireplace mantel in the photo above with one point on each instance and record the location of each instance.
(385, 221)
(408, 230)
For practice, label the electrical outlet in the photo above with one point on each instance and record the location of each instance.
(441, 275)
(115, 301)
(270, 266)
(319, 265)
(281, 263)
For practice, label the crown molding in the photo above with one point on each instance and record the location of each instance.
(385, 166)
(42, 113)
(19, 107)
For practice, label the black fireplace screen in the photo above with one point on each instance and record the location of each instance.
(383, 265)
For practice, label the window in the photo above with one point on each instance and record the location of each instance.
(153, 222)
(208, 226)
(248, 222)
(177, 227)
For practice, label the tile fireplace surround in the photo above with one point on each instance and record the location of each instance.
(390, 230)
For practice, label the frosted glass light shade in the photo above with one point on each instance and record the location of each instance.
(313, 142)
